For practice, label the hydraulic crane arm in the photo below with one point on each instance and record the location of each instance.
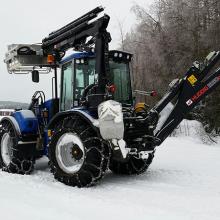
(23, 58)
(75, 35)
(198, 82)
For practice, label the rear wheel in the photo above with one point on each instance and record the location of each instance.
(132, 165)
(14, 158)
(78, 157)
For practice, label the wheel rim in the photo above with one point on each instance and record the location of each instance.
(70, 153)
(6, 148)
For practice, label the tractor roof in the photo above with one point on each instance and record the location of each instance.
(77, 55)
(113, 54)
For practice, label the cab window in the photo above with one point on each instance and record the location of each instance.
(120, 77)
(66, 87)
(84, 75)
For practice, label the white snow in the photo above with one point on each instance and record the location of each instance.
(194, 130)
(183, 183)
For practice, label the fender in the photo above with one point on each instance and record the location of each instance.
(26, 121)
(88, 118)
(13, 122)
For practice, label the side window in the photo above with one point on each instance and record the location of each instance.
(84, 76)
(80, 81)
(67, 87)
(120, 77)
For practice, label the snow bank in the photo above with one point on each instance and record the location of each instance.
(194, 130)
(187, 128)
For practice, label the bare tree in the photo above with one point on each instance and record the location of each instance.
(122, 34)
(168, 37)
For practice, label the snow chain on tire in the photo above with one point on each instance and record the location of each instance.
(21, 161)
(97, 153)
(132, 166)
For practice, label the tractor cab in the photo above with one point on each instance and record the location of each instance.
(78, 75)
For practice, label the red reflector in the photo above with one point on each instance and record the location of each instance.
(153, 93)
(112, 88)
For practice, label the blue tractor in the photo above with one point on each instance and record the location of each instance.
(95, 123)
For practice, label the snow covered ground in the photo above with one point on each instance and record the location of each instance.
(183, 182)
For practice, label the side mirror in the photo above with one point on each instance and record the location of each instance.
(35, 76)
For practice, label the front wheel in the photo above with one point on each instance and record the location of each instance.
(78, 157)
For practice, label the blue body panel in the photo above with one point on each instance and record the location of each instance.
(77, 56)
(27, 121)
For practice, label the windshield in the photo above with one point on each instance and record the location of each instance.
(74, 81)
(119, 76)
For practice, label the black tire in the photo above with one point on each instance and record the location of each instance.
(21, 160)
(96, 153)
(131, 166)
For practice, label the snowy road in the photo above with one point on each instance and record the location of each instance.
(182, 183)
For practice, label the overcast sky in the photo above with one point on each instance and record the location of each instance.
(29, 21)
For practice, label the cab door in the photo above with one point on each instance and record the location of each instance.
(66, 95)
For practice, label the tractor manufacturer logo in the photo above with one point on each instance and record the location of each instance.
(203, 91)
(192, 79)
(200, 93)
(197, 95)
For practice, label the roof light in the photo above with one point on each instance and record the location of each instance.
(120, 55)
(115, 54)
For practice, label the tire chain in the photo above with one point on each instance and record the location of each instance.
(140, 171)
(102, 169)
(19, 166)
(16, 165)
(134, 168)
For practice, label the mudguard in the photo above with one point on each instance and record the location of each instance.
(25, 125)
(13, 122)
(26, 121)
(83, 113)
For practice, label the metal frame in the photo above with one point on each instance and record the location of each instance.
(198, 82)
